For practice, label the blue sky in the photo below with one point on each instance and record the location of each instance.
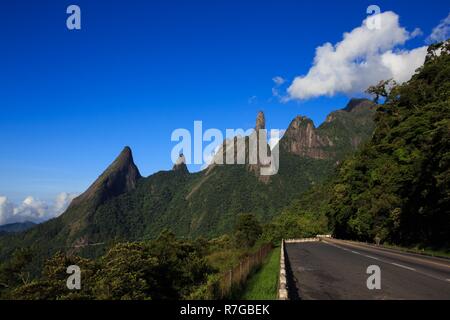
(137, 70)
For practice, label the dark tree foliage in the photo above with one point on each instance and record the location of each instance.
(165, 268)
(247, 230)
(14, 271)
(397, 188)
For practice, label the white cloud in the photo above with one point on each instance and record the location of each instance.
(279, 81)
(441, 32)
(416, 33)
(32, 209)
(6, 210)
(62, 201)
(363, 58)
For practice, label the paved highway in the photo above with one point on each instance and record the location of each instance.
(335, 269)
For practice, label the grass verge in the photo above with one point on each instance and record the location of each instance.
(263, 284)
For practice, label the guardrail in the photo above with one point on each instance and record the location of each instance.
(324, 236)
(282, 280)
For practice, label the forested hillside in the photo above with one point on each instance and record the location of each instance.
(397, 188)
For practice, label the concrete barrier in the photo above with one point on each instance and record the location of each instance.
(301, 240)
(283, 293)
(282, 280)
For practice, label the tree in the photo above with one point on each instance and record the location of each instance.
(382, 89)
(128, 271)
(13, 272)
(247, 230)
(52, 284)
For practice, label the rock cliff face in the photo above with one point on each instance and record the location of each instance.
(342, 131)
(303, 139)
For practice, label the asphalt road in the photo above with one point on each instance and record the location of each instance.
(337, 270)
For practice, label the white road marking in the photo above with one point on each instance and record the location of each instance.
(388, 262)
(402, 266)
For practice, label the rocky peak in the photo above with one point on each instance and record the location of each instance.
(301, 138)
(180, 164)
(343, 130)
(359, 104)
(300, 121)
(260, 121)
(120, 177)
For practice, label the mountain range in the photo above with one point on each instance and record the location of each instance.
(16, 227)
(121, 205)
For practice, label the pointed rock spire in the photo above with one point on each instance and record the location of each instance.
(180, 165)
(260, 121)
(120, 177)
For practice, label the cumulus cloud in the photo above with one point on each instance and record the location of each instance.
(363, 58)
(441, 32)
(32, 209)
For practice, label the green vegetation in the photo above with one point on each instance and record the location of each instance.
(397, 187)
(247, 230)
(163, 268)
(263, 285)
(305, 217)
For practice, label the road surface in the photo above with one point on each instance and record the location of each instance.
(335, 269)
